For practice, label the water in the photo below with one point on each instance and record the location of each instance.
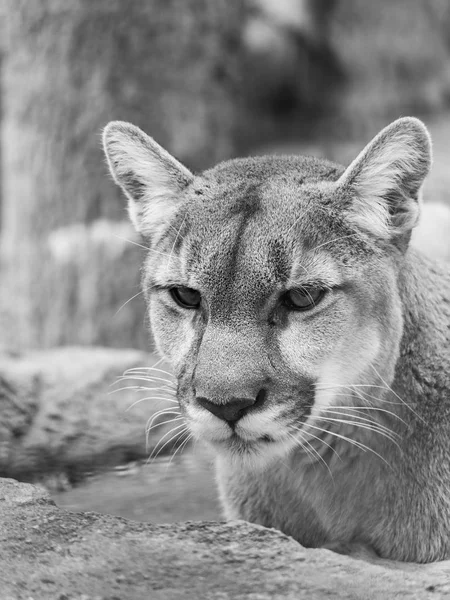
(163, 491)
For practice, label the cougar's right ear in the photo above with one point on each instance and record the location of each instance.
(151, 178)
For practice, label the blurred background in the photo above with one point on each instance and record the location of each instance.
(209, 80)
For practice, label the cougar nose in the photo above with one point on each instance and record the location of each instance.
(233, 410)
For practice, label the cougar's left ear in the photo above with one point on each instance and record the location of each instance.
(380, 190)
(151, 178)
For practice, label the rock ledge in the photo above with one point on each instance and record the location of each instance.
(48, 553)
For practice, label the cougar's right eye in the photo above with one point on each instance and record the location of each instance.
(186, 297)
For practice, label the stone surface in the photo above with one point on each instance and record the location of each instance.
(58, 411)
(47, 553)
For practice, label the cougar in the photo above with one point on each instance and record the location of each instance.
(309, 340)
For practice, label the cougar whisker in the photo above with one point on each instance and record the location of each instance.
(125, 303)
(356, 443)
(175, 435)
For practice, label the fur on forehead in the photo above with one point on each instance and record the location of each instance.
(265, 171)
(247, 185)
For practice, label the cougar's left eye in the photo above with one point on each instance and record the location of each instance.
(186, 297)
(303, 298)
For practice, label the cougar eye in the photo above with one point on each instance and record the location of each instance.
(186, 297)
(302, 298)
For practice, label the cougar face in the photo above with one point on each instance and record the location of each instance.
(271, 282)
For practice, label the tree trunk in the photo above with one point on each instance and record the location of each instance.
(70, 66)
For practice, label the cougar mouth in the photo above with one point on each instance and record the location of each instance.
(257, 454)
(240, 439)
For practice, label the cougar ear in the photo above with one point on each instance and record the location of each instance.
(151, 178)
(381, 188)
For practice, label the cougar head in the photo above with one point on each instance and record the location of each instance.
(271, 282)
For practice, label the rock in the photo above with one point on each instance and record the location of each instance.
(49, 553)
(18, 407)
(57, 412)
